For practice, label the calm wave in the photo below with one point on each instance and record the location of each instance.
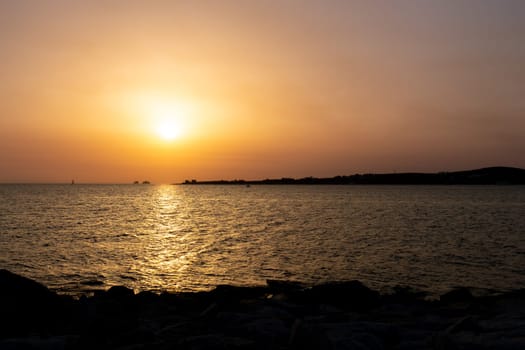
(84, 237)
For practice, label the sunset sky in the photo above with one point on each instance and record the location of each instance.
(258, 89)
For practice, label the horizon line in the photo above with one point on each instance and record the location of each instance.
(249, 180)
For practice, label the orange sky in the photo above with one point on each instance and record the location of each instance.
(258, 89)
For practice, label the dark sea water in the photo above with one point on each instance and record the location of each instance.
(83, 237)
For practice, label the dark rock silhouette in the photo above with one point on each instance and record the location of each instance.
(353, 295)
(27, 305)
(119, 292)
(280, 315)
(16, 288)
(457, 295)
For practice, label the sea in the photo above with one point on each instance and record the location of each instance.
(77, 239)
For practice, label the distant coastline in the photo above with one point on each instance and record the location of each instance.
(483, 176)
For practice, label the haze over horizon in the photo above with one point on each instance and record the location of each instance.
(119, 91)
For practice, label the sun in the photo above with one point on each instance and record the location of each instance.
(162, 117)
(168, 130)
(167, 118)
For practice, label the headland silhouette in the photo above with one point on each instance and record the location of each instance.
(484, 176)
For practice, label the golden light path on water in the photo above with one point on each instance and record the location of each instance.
(166, 249)
(184, 247)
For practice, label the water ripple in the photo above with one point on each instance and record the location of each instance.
(75, 238)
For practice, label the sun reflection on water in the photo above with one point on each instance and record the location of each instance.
(175, 249)
(165, 253)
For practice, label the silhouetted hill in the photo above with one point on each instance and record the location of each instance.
(484, 176)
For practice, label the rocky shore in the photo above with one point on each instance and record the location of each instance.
(280, 315)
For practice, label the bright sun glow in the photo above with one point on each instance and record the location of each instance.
(168, 130)
(164, 117)
(168, 118)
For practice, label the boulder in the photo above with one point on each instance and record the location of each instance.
(228, 294)
(27, 305)
(458, 295)
(17, 288)
(119, 292)
(351, 294)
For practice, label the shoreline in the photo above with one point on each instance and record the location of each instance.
(283, 315)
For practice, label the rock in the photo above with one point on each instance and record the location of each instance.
(467, 323)
(352, 294)
(119, 292)
(307, 335)
(443, 341)
(274, 312)
(215, 342)
(226, 293)
(359, 335)
(276, 286)
(403, 294)
(231, 319)
(344, 315)
(268, 329)
(26, 305)
(35, 342)
(458, 295)
(17, 288)
(147, 296)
